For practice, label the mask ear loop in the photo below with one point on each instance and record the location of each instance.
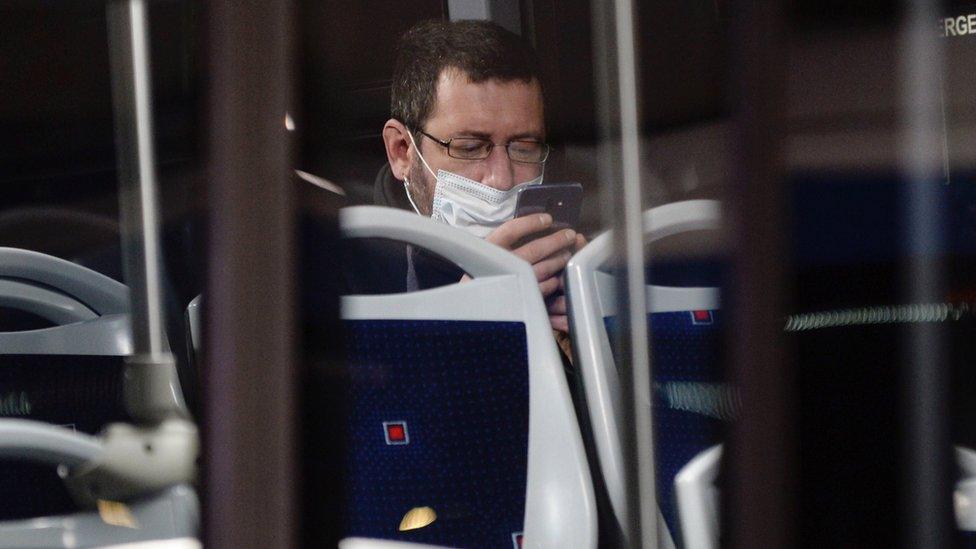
(422, 159)
(406, 182)
(406, 189)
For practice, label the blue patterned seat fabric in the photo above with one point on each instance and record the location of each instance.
(692, 403)
(438, 417)
(79, 392)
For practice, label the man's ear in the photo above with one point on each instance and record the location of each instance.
(399, 149)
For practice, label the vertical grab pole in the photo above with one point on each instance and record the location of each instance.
(250, 454)
(632, 249)
(759, 509)
(617, 86)
(926, 507)
(152, 390)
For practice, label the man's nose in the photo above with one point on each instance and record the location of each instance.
(500, 173)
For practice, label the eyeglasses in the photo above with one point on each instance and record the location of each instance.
(476, 148)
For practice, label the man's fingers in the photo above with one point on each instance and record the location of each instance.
(549, 286)
(580, 242)
(557, 306)
(513, 230)
(541, 248)
(551, 266)
(559, 322)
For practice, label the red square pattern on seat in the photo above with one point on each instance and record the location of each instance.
(396, 432)
(701, 317)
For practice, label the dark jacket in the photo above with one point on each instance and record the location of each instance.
(376, 266)
(389, 191)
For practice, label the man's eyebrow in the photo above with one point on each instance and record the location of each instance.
(465, 133)
(534, 136)
(517, 137)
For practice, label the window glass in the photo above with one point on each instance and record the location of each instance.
(68, 352)
(521, 225)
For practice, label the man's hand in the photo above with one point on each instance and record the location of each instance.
(556, 303)
(547, 254)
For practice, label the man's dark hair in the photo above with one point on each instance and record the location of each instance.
(479, 49)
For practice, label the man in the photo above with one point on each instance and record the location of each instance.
(467, 131)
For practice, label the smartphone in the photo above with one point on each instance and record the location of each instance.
(560, 200)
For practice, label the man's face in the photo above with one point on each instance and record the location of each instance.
(495, 110)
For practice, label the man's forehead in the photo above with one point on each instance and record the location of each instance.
(491, 106)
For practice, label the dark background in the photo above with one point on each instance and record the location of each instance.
(56, 119)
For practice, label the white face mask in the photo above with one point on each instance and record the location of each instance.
(468, 204)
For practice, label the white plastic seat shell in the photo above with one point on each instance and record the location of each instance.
(698, 499)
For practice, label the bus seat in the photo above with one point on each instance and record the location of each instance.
(461, 428)
(60, 385)
(692, 402)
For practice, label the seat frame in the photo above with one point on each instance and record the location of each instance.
(592, 296)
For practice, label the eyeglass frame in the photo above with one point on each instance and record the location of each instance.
(491, 147)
